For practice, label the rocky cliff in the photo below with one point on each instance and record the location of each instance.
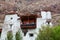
(32, 6)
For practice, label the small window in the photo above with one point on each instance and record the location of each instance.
(48, 21)
(11, 18)
(0, 33)
(31, 35)
(11, 25)
(25, 32)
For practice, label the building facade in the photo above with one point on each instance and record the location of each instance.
(29, 24)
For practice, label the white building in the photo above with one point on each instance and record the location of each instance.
(29, 24)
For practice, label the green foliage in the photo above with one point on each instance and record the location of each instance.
(18, 35)
(56, 31)
(47, 33)
(9, 35)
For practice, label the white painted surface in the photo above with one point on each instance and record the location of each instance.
(43, 14)
(9, 20)
(27, 37)
(49, 15)
(46, 15)
(15, 27)
(39, 23)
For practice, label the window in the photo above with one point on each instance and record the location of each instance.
(48, 21)
(31, 35)
(28, 19)
(0, 31)
(11, 18)
(24, 31)
(11, 25)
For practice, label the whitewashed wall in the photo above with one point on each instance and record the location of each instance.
(46, 15)
(49, 15)
(15, 25)
(28, 37)
(9, 20)
(39, 23)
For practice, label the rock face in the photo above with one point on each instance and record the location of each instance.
(1, 20)
(31, 6)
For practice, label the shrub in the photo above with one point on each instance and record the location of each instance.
(56, 31)
(47, 33)
(9, 35)
(18, 36)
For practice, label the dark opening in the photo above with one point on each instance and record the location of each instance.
(0, 33)
(11, 26)
(24, 31)
(48, 22)
(28, 20)
(31, 35)
(11, 18)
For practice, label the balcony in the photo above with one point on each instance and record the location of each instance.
(28, 26)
